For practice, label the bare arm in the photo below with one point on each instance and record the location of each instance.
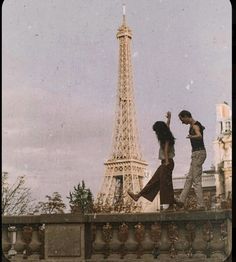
(197, 135)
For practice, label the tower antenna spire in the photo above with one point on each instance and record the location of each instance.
(123, 13)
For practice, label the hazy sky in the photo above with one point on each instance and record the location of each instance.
(60, 75)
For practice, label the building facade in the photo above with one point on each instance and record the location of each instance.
(223, 150)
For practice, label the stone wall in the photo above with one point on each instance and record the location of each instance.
(161, 236)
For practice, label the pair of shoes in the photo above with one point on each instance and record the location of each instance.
(178, 203)
(135, 197)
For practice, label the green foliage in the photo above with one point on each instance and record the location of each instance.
(81, 199)
(53, 205)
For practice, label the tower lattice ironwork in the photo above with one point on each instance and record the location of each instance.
(125, 169)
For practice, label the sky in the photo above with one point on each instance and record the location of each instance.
(60, 75)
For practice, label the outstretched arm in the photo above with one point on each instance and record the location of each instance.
(168, 116)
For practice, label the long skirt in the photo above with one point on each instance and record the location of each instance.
(160, 181)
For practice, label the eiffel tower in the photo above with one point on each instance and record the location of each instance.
(125, 169)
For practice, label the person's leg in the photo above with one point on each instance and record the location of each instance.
(166, 185)
(151, 189)
(189, 180)
(197, 177)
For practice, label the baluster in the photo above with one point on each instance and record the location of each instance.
(107, 237)
(12, 236)
(173, 236)
(123, 235)
(190, 236)
(35, 242)
(20, 244)
(139, 234)
(207, 236)
(27, 237)
(155, 235)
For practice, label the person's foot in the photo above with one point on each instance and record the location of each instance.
(178, 203)
(170, 208)
(135, 197)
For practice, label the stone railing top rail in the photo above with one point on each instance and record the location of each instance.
(113, 218)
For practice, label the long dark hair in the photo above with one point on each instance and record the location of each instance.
(163, 133)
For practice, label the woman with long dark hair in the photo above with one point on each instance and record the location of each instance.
(162, 178)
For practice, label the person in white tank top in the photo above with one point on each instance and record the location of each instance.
(162, 178)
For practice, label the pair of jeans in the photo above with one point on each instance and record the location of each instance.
(194, 177)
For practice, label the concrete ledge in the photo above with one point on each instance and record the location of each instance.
(161, 216)
(145, 217)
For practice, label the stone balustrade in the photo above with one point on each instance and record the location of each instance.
(23, 237)
(162, 236)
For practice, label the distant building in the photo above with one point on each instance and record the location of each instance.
(223, 150)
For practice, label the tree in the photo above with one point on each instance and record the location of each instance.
(53, 205)
(16, 197)
(81, 199)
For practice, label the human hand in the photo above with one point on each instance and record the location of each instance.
(168, 115)
(188, 136)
